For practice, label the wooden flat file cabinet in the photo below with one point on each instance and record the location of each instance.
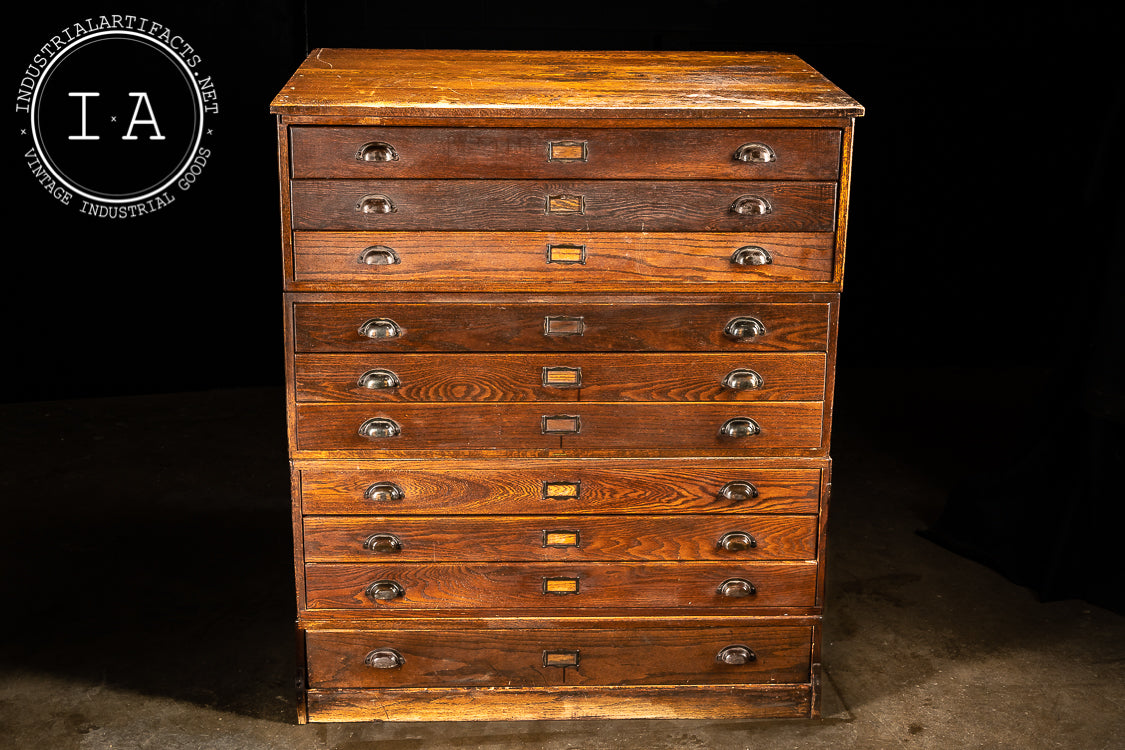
(561, 330)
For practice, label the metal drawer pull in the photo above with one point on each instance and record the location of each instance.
(561, 538)
(560, 586)
(562, 377)
(382, 492)
(380, 328)
(743, 380)
(751, 205)
(738, 491)
(379, 428)
(740, 427)
(744, 327)
(375, 204)
(757, 153)
(378, 151)
(383, 543)
(737, 587)
(384, 591)
(735, 655)
(735, 541)
(384, 658)
(560, 424)
(378, 255)
(376, 380)
(750, 255)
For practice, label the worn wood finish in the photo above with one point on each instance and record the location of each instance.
(521, 377)
(460, 260)
(496, 326)
(580, 586)
(593, 205)
(540, 249)
(601, 427)
(576, 538)
(524, 85)
(657, 486)
(645, 656)
(530, 704)
(513, 153)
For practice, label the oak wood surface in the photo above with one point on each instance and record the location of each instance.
(602, 426)
(796, 376)
(452, 260)
(594, 538)
(682, 154)
(657, 486)
(672, 656)
(522, 205)
(468, 585)
(529, 84)
(513, 327)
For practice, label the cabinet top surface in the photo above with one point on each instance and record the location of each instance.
(518, 85)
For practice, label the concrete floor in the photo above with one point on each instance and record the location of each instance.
(147, 590)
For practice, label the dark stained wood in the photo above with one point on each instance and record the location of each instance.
(663, 427)
(524, 85)
(801, 154)
(670, 585)
(519, 377)
(453, 260)
(621, 327)
(596, 538)
(621, 487)
(672, 656)
(522, 205)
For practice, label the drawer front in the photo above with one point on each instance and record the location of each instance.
(358, 152)
(627, 656)
(564, 585)
(467, 259)
(389, 378)
(574, 205)
(573, 538)
(715, 428)
(561, 326)
(556, 488)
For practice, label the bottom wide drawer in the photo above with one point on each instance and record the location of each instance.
(512, 658)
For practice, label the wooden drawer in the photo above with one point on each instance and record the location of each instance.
(517, 658)
(796, 376)
(559, 487)
(558, 326)
(586, 426)
(565, 585)
(798, 154)
(558, 205)
(577, 538)
(520, 259)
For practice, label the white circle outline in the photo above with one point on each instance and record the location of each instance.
(168, 52)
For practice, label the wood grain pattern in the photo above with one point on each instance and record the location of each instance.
(497, 586)
(535, 84)
(515, 327)
(521, 205)
(558, 703)
(518, 426)
(597, 538)
(514, 658)
(456, 260)
(427, 153)
(797, 376)
(655, 486)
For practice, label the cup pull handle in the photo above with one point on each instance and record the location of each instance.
(378, 379)
(378, 151)
(751, 205)
(377, 204)
(755, 153)
(380, 328)
(742, 380)
(383, 492)
(744, 328)
(384, 658)
(379, 428)
(383, 543)
(737, 541)
(751, 255)
(738, 491)
(378, 255)
(384, 591)
(740, 427)
(737, 588)
(735, 655)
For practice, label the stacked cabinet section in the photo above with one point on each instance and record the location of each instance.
(560, 383)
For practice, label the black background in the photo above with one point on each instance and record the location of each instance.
(984, 231)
